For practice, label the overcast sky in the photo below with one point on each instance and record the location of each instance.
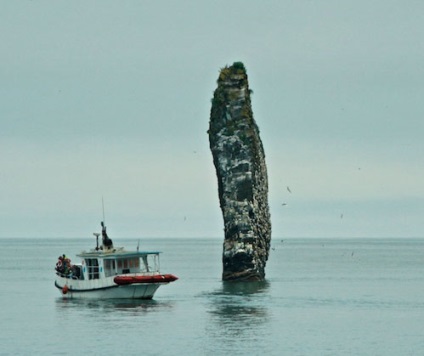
(112, 98)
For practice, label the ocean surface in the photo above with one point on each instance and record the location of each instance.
(321, 297)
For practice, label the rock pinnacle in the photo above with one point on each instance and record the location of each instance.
(239, 160)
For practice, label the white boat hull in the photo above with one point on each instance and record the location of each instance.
(104, 289)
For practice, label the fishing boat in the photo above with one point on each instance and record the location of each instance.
(108, 272)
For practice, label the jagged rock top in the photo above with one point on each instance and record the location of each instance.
(231, 104)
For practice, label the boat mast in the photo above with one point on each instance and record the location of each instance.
(103, 207)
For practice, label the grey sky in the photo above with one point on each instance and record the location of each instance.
(112, 99)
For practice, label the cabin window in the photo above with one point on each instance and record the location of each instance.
(123, 266)
(128, 265)
(92, 268)
(109, 267)
(134, 263)
(150, 263)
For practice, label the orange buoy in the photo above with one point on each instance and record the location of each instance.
(65, 289)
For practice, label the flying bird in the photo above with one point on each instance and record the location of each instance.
(288, 189)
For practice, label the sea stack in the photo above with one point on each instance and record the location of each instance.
(239, 160)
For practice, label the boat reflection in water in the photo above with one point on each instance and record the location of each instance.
(111, 305)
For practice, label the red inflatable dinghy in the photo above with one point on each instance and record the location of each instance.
(159, 278)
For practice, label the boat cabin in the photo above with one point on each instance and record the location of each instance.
(98, 265)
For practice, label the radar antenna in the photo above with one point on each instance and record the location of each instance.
(97, 240)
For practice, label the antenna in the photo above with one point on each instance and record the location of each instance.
(103, 206)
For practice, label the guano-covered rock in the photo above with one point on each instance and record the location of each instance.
(239, 161)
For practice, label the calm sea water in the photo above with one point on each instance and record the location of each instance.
(321, 297)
